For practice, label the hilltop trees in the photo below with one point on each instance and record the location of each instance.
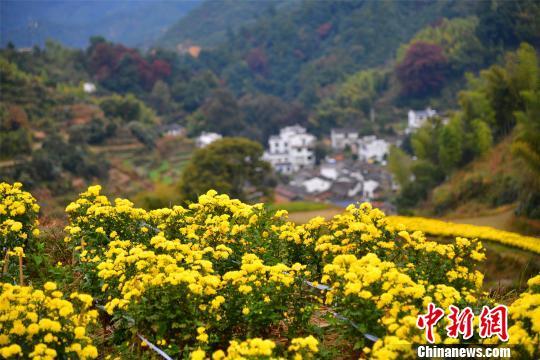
(457, 39)
(507, 23)
(264, 115)
(230, 166)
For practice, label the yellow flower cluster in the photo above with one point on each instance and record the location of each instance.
(304, 346)
(257, 348)
(18, 216)
(449, 229)
(525, 313)
(42, 324)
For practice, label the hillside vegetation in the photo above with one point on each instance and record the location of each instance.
(497, 106)
(318, 64)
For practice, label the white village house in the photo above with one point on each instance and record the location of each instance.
(341, 138)
(291, 150)
(89, 87)
(371, 148)
(416, 119)
(329, 170)
(173, 130)
(206, 138)
(316, 185)
(369, 189)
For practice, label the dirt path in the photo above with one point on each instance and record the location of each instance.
(501, 221)
(302, 217)
(116, 148)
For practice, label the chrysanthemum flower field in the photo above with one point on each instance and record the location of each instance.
(221, 279)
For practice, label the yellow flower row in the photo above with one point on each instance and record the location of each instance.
(449, 229)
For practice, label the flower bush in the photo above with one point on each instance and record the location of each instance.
(18, 216)
(525, 314)
(18, 226)
(44, 324)
(257, 348)
(173, 272)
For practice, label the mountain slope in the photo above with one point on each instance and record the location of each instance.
(207, 25)
(299, 50)
(134, 23)
(487, 183)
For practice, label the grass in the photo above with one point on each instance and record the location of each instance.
(299, 206)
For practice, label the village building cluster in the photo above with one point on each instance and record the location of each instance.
(292, 150)
(417, 119)
(206, 138)
(337, 179)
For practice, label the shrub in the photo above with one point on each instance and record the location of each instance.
(43, 324)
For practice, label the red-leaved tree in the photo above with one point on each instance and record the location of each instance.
(422, 70)
(257, 61)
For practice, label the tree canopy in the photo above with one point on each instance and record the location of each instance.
(231, 166)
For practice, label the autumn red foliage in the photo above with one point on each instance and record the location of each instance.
(422, 70)
(107, 60)
(324, 30)
(257, 60)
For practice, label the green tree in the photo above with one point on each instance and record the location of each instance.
(353, 100)
(193, 93)
(482, 138)
(220, 113)
(15, 137)
(160, 97)
(127, 108)
(264, 115)
(424, 141)
(145, 133)
(231, 166)
(450, 145)
(527, 142)
(506, 23)
(399, 164)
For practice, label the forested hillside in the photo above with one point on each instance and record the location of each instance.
(298, 52)
(319, 64)
(499, 106)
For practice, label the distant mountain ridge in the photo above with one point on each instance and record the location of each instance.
(208, 24)
(134, 23)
